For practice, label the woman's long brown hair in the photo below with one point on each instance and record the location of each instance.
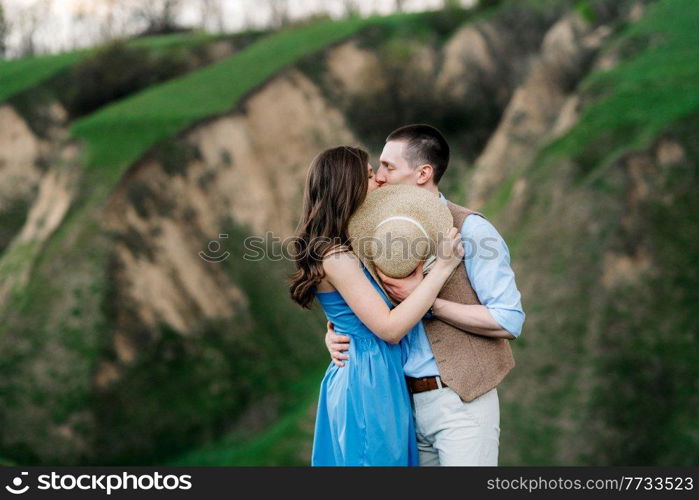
(336, 184)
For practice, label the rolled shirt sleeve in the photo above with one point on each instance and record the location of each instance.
(487, 262)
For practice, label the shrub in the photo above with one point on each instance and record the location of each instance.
(116, 71)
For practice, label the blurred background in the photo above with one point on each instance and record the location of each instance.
(141, 142)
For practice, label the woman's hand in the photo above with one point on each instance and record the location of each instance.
(450, 250)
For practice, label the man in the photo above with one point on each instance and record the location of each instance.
(460, 351)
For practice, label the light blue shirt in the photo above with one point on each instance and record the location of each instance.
(487, 263)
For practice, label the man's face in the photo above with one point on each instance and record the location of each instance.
(394, 168)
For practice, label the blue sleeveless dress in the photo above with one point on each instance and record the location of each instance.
(364, 414)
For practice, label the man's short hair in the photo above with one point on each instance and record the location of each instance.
(424, 144)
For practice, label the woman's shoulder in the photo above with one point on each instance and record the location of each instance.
(339, 256)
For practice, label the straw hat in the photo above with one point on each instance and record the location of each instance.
(397, 227)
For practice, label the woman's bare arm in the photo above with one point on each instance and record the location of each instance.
(344, 272)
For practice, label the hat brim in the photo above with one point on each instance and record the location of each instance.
(372, 270)
(396, 200)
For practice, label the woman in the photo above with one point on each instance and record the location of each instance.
(364, 415)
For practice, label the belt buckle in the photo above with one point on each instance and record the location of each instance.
(439, 382)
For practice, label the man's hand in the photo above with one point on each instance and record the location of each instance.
(399, 288)
(336, 344)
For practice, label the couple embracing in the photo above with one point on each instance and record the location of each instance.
(421, 304)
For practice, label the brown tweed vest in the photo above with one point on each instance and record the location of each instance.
(470, 364)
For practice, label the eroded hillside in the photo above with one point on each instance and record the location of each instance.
(122, 344)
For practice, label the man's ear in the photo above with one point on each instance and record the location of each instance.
(424, 174)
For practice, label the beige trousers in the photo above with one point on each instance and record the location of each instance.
(452, 432)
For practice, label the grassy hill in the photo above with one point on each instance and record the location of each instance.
(184, 388)
(600, 227)
(657, 85)
(622, 388)
(287, 441)
(139, 122)
(19, 75)
(604, 239)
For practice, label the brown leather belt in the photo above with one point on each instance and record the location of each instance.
(416, 385)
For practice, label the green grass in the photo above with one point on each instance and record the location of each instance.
(119, 133)
(281, 444)
(16, 257)
(624, 337)
(22, 74)
(642, 96)
(501, 197)
(18, 75)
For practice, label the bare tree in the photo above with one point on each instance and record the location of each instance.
(112, 20)
(248, 22)
(27, 23)
(97, 23)
(4, 31)
(160, 15)
(279, 13)
(399, 5)
(211, 15)
(351, 7)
